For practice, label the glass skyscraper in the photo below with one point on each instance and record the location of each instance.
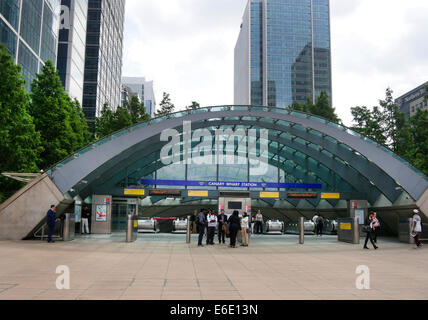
(71, 48)
(283, 52)
(103, 58)
(29, 29)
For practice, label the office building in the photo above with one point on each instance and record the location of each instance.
(29, 29)
(71, 47)
(413, 100)
(103, 58)
(142, 89)
(283, 52)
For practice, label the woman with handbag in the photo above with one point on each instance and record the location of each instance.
(369, 229)
(244, 229)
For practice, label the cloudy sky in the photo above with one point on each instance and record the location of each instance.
(186, 47)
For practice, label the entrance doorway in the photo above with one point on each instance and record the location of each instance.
(121, 207)
(231, 201)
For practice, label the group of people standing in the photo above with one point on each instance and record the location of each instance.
(227, 227)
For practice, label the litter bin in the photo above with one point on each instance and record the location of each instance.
(69, 227)
(131, 228)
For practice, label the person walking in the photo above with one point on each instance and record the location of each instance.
(259, 222)
(221, 227)
(200, 222)
(244, 229)
(234, 226)
(212, 223)
(370, 230)
(85, 220)
(50, 221)
(376, 225)
(416, 228)
(320, 225)
(315, 221)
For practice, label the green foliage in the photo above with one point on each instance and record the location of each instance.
(414, 146)
(369, 122)
(59, 120)
(166, 106)
(321, 108)
(112, 121)
(383, 123)
(193, 106)
(137, 110)
(19, 142)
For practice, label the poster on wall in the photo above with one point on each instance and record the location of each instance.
(359, 213)
(101, 214)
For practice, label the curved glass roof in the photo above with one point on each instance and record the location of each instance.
(302, 147)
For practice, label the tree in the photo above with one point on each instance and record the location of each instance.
(58, 119)
(166, 106)
(322, 107)
(19, 142)
(391, 119)
(369, 123)
(193, 106)
(112, 121)
(137, 110)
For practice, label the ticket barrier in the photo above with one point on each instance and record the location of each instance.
(274, 227)
(179, 226)
(131, 228)
(348, 230)
(294, 227)
(148, 226)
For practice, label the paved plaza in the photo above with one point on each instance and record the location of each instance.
(164, 267)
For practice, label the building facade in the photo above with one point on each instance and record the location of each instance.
(71, 47)
(283, 53)
(103, 58)
(29, 29)
(413, 100)
(142, 89)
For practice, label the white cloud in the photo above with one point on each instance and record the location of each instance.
(186, 47)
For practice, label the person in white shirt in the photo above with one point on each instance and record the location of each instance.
(416, 228)
(212, 224)
(244, 227)
(259, 223)
(315, 220)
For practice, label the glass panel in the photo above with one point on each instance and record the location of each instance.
(317, 119)
(335, 125)
(299, 115)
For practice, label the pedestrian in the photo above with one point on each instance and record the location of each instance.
(234, 226)
(200, 222)
(212, 223)
(369, 229)
(244, 229)
(259, 222)
(320, 225)
(416, 228)
(221, 227)
(85, 220)
(315, 221)
(50, 221)
(376, 225)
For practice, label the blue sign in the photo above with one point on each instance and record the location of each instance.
(230, 184)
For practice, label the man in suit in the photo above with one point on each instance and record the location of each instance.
(50, 221)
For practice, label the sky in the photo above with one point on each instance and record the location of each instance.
(187, 48)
